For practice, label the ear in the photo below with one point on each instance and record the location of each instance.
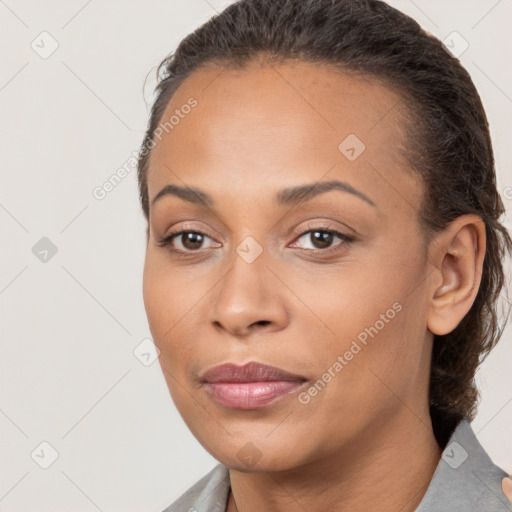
(457, 254)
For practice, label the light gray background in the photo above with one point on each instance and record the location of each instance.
(69, 326)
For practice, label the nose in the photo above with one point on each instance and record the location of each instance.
(250, 299)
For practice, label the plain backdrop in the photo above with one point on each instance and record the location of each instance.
(73, 111)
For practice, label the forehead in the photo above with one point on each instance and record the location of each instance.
(275, 124)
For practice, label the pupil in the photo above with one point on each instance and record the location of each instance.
(323, 238)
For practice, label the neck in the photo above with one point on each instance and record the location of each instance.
(390, 466)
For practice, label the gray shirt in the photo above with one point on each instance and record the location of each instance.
(465, 480)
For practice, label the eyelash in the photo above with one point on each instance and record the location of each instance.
(347, 240)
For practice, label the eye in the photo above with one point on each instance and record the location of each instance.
(322, 239)
(184, 241)
(317, 239)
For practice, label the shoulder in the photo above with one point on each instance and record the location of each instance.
(209, 494)
(465, 479)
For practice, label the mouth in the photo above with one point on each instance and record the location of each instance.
(250, 386)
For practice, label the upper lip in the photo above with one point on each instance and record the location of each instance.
(249, 372)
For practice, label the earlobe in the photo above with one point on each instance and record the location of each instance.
(457, 255)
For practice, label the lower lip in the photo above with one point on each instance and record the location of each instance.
(250, 395)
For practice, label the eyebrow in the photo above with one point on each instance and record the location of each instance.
(285, 197)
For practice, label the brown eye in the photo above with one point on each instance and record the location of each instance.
(191, 240)
(321, 239)
(184, 241)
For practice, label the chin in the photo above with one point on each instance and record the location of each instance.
(261, 466)
(250, 455)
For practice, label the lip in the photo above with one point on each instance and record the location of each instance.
(250, 386)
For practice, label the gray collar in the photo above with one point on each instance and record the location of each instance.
(465, 480)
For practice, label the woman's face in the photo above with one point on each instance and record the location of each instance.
(265, 281)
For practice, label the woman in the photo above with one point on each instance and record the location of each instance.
(324, 258)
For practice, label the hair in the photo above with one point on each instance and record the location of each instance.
(448, 144)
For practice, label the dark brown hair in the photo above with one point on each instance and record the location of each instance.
(448, 146)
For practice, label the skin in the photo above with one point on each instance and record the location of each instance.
(366, 437)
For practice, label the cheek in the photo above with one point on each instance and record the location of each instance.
(167, 299)
(343, 300)
(374, 314)
(156, 297)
